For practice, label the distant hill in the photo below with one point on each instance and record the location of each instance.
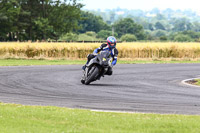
(168, 24)
(112, 15)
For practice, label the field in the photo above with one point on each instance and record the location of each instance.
(38, 119)
(138, 50)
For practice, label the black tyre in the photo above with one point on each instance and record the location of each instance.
(91, 75)
(82, 81)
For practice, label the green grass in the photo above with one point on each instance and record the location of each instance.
(37, 119)
(26, 62)
(155, 62)
(198, 82)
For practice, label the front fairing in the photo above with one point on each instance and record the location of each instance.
(103, 60)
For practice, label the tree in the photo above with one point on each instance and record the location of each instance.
(105, 33)
(196, 27)
(128, 38)
(64, 16)
(160, 17)
(182, 38)
(159, 33)
(90, 22)
(42, 29)
(182, 25)
(150, 27)
(9, 11)
(38, 19)
(128, 26)
(192, 34)
(159, 26)
(163, 38)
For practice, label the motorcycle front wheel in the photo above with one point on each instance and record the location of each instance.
(91, 75)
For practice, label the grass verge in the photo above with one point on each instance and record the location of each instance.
(29, 62)
(26, 62)
(197, 82)
(37, 119)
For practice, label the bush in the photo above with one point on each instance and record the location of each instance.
(91, 33)
(105, 33)
(128, 38)
(159, 33)
(163, 38)
(85, 37)
(182, 38)
(69, 37)
(149, 35)
(192, 34)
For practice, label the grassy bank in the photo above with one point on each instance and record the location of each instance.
(37, 119)
(26, 62)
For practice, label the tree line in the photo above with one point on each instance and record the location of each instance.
(37, 19)
(94, 27)
(159, 25)
(64, 20)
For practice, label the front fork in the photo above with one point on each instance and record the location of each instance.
(85, 73)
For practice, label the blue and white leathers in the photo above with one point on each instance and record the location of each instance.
(113, 52)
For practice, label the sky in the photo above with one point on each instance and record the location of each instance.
(142, 4)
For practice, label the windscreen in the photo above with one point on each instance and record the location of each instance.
(105, 54)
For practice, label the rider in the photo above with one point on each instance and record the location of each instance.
(111, 46)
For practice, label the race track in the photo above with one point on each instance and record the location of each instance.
(147, 88)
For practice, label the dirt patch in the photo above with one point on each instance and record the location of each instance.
(193, 82)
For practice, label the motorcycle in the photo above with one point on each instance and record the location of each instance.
(97, 67)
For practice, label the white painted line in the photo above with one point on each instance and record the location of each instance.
(110, 111)
(136, 112)
(185, 82)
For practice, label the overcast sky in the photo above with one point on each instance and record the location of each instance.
(142, 4)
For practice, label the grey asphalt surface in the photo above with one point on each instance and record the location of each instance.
(146, 88)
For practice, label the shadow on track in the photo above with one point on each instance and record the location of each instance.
(110, 85)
